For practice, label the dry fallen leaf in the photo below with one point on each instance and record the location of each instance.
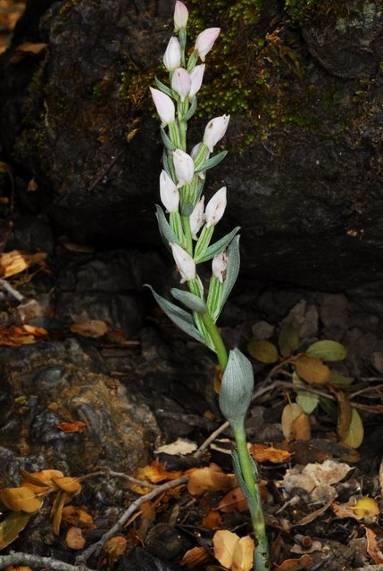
(304, 562)
(209, 479)
(17, 335)
(11, 526)
(76, 426)
(27, 48)
(75, 539)
(195, 557)
(77, 516)
(90, 328)
(60, 500)
(365, 509)
(233, 552)
(181, 446)
(16, 261)
(68, 484)
(115, 547)
(312, 370)
(373, 548)
(295, 423)
(262, 453)
(156, 473)
(20, 499)
(41, 481)
(234, 500)
(212, 520)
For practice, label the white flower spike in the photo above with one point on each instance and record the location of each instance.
(215, 130)
(172, 55)
(184, 167)
(170, 197)
(216, 206)
(205, 41)
(184, 262)
(219, 266)
(197, 218)
(181, 82)
(164, 105)
(196, 78)
(181, 15)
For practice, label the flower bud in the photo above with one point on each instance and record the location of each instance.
(184, 167)
(236, 388)
(170, 197)
(181, 15)
(205, 41)
(215, 130)
(184, 262)
(197, 218)
(181, 82)
(216, 207)
(196, 77)
(164, 105)
(172, 55)
(219, 266)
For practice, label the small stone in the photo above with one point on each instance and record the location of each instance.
(262, 330)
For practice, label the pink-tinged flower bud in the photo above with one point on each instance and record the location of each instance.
(219, 266)
(172, 55)
(184, 263)
(215, 130)
(170, 197)
(216, 207)
(184, 167)
(205, 41)
(196, 78)
(181, 82)
(197, 218)
(164, 105)
(181, 15)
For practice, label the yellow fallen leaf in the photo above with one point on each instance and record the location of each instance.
(355, 434)
(16, 261)
(77, 516)
(312, 370)
(20, 500)
(75, 539)
(67, 484)
(208, 479)
(295, 423)
(40, 481)
(366, 508)
(115, 547)
(233, 552)
(243, 558)
(91, 328)
(156, 473)
(262, 453)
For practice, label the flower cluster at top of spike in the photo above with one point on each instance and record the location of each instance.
(189, 222)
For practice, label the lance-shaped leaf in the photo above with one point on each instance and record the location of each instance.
(164, 88)
(236, 388)
(217, 247)
(212, 162)
(179, 316)
(190, 300)
(166, 140)
(232, 271)
(192, 109)
(165, 229)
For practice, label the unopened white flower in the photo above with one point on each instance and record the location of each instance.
(170, 197)
(216, 207)
(195, 150)
(181, 82)
(197, 218)
(196, 77)
(215, 130)
(205, 41)
(219, 266)
(184, 262)
(164, 105)
(172, 55)
(184, 167)
(181, 15)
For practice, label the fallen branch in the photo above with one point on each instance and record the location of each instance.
(95, 548)
(38, 561)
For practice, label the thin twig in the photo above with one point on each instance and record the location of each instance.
(38, 561)
(96, 547)
(111, 473)
(11, 290)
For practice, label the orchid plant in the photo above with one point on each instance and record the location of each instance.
(187, 226)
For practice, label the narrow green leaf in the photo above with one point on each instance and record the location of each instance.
(232, 271)
(217, 247)
(164, 88)
(192, 109)
(165, 229)
(166, 140)
(212, 162)
(327, 350)
(179, 316)
(340, 380)
(190, 300)
(214, 297)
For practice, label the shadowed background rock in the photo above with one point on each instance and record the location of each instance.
(303, 82)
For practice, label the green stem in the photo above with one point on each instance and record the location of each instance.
(254, 498)
(216, 338)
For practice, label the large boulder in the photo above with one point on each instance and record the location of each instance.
(305, 94)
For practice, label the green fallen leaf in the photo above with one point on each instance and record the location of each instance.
(307, 401)
(11, 526)
(264, 351)
(327, 350)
